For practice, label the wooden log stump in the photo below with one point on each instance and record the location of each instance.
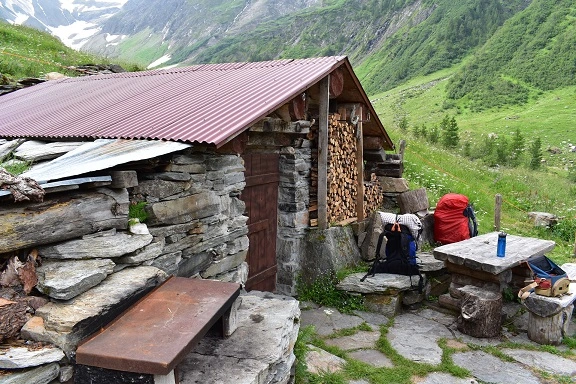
(480, 312)
(551, 329)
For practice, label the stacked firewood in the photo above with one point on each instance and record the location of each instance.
(342, 177)
(373, 195)
(342, 170)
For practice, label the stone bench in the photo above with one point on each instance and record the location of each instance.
(385, 292)
(147, 341)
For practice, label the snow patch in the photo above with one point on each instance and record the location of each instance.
(75, 34)
(159, 61)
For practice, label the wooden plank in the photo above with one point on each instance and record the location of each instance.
(360, 165)
(375, 156)
(323, 154)
(373, 143)
(176, 316)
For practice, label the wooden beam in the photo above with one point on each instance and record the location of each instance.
(323, 153)
(360, 164)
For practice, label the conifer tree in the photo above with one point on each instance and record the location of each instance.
(536, 154)
(516, 148)
(450, 137)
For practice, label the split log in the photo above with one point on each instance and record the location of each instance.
(12, 317)
(22, 188)
(63, 218)
(480, 312)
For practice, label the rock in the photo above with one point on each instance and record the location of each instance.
(319, 361)
(66, 323)
(373, 231)
(360, 339)
(160, 188)
(178, 211)
(34, 151)
(410, 330)
(168, 262)
(543, 361)
(22, 357)
(373, 357)
(428, 263)
(570, 269)
(444, 378)
(260, 350)
(225, 264)
(491, 369)
(41, 375)
(141, 255)
(326, 320)
(96, 248)
(237, 275)
(384, 283)
(328, 251)
(64, 280)
(393, 184)
(135, 227)
(543, 219)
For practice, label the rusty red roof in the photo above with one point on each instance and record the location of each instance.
(209, 103)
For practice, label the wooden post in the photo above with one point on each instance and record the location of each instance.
(323, 153)
(360, 165)
(497, 212)
(402, 149)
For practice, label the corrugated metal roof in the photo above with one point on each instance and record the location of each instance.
(203, 103)
(101, 154)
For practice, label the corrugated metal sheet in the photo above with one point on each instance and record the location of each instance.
(101, 154)
(202, 103)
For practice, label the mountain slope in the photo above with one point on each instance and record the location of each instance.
(533, 52)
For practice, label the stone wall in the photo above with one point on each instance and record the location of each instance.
(293, 202)
(91, 265)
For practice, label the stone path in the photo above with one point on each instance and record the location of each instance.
(420, 335)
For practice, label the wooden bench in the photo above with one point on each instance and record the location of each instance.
(156, 333)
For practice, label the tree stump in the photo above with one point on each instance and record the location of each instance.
(480, 312)
(550, 329)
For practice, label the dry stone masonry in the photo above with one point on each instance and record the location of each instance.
(77, 262)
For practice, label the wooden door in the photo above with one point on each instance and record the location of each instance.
(261, 198)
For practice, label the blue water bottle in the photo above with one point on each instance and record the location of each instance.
(501, 249)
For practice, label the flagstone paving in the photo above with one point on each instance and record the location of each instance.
(416, 335)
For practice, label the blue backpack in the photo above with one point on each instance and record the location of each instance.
(400, 253)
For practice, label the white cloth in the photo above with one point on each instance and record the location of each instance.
(408, 219)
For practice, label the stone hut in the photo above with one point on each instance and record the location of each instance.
(239, 172)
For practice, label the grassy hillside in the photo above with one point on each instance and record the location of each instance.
(531, 53)
(550, 189)
(27, 52)
(388, 41)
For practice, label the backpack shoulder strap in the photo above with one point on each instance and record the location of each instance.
(379, 246)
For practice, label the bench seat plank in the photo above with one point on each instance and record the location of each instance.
(160, 329)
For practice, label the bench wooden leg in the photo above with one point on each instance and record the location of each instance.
(551, 329)
(165, 379)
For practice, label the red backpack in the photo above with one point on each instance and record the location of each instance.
(454, 219)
